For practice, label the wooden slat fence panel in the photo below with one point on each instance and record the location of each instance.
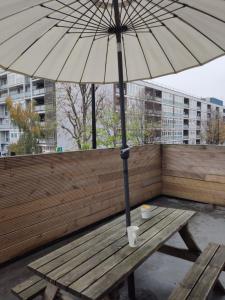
(194, 173)
(44, 197)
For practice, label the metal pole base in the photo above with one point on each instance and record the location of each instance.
(131, 287)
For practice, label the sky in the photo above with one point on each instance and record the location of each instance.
(204, 81)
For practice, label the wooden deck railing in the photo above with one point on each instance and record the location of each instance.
(45, 197)
(194, 173)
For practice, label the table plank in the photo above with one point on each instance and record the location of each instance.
(194, 273)
(117, 258)
(102, 249)
(210, 275)
(107, 253)
(107, 282)
(76, 243)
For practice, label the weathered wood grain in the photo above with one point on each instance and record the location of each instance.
(194, 173)
(203, 275)
(44, 197)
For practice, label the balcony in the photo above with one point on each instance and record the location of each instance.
(17, 96)
(64, 198)
(186, 126)
(4, 141)
(39, 108)
(3, 86)
(38, 92)
(198, 117)
(4, 126)
(186, 116)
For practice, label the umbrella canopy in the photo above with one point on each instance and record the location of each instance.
(103, 41)
(75, 40)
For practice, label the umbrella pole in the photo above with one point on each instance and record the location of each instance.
(94, 142)
(124, 149)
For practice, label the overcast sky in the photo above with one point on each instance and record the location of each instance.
(204, 81)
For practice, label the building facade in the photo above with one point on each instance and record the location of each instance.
(176, 117)
(23, 90)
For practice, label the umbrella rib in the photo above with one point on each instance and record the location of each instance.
(143, 53)
(198, 30)
(18, 57)
(25, 9)
(163, 50)
(102, 13)
(149, 11)
(106, 58)
(137, 3)
(109, 13)
(171, 32)
(75, 22)
(147, 20)
(60, 72)
(18, 32)
(77, 11)
(183, 44)
(88, 8)
(202, 11)
(92, 43)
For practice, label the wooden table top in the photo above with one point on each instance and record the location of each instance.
(93, 264)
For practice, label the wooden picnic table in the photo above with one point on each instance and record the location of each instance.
(93, 265)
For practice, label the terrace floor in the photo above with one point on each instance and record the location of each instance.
(157, 277)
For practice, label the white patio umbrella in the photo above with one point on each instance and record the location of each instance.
(104, 41)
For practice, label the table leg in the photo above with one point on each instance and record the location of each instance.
(50, 292)
(131, 286)
(189, 241)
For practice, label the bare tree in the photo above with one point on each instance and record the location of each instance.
(75, 101)
(214, 131)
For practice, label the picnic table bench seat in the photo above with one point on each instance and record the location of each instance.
(202, 277)
(30, 288)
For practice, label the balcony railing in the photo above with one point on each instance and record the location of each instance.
(186, 115)
(3, 98)
(3, 86)
(17, 96)
(198, 117)
(38, 108)
(186, 126)
(4, 140)
(38, 92)
(5, 126)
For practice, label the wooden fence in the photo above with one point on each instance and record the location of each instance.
(45, 197)
(194, 173)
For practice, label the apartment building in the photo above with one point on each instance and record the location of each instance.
(23, 89)
(176, 117)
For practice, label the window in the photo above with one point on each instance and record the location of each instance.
(158, 94)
